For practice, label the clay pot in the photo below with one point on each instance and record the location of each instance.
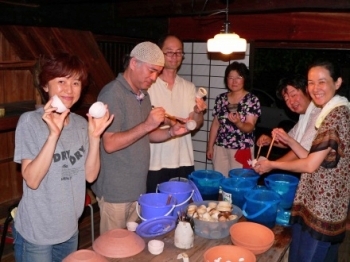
(228, 253)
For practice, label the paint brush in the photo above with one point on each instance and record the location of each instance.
(268, 152)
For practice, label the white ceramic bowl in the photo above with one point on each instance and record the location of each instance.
(97, 110)
(131, 226)
(155, 247)
(56, 102)
(201, 92)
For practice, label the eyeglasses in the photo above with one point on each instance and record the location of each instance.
(177, 53)
(235, 78)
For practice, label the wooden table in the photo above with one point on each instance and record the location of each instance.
(170, 253)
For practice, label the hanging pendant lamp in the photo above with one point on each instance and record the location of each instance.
(226, 42)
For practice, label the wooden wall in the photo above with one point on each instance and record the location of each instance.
(15, 86)
(13, 83)
(31, 42)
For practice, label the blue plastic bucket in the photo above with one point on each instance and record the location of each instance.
(234, 189)
(155, 205)
(261, 206)
(285, 185)
(207, 182)
(181, 191)
(244, 173)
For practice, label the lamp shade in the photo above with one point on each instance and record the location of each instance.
(226, 43)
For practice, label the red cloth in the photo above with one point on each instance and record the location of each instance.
(87, 199)
(242, 156)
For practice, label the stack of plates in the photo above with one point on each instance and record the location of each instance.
(253, 236)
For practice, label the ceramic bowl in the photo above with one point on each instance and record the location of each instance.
(85, 255)
(155, 247)
(253, 236)
(97, 110)
(56, 102)
(119, 243)
(201, 92)
(228, 253)
(132, 225)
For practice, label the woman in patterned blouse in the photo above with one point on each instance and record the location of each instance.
(321, 202)
(231, 138)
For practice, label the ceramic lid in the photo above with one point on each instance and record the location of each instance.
(156, 226)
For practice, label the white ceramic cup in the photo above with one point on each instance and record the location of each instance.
(201, 92)
(155, 247)
(191, 125)
(131, 226)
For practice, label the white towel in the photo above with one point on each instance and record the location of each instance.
(303, 120)
(333, 103)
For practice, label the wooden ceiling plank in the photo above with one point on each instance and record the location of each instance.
(16, 37)
(154, 8)
(324, 27)
(85, 46)
(45, 39)
(17, 64)
(30, 42)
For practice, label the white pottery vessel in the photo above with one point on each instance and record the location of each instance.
(191, 125)
(97, 110)
(56, 102)
(201, 92)
(184, 235)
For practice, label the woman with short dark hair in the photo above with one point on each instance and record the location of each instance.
(231, 137)
(58, 152)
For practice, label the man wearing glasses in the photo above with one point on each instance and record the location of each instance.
(173, 158)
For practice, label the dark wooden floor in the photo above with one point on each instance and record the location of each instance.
(85, 238)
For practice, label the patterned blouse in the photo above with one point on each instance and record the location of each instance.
(322, 198)
(229, 135)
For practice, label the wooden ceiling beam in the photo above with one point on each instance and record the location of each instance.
(152, 8)
(299, 26)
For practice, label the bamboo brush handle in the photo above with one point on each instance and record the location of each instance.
(268, 152)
